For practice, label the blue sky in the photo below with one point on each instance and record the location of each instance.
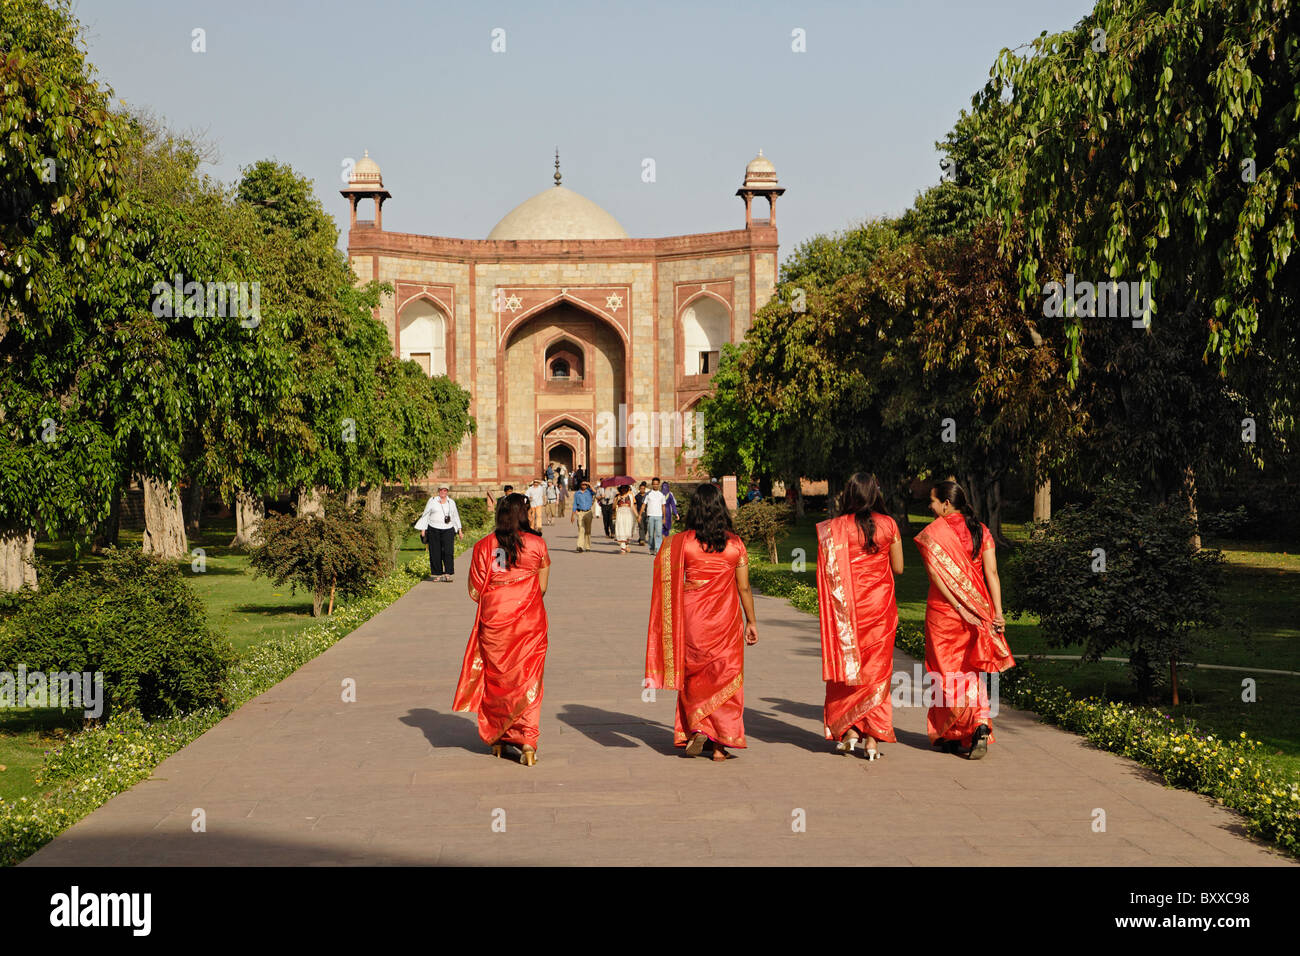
(464, 134)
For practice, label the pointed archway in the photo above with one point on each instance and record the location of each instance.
(563, 366)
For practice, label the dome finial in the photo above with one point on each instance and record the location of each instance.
(557, 165)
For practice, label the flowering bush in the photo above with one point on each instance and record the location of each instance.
(1236, 772)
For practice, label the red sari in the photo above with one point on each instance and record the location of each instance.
(501, 677)
(859, 617)
(696, 640)
(955, 650)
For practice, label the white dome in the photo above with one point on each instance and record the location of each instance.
(366, 173)
(557, 213)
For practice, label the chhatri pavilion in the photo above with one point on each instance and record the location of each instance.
(569, 335)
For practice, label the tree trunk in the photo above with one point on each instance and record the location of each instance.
(106, 536)
(833, 489)
(1173, 678)
(17, 556)
(798, 499)
(317, 603)
(311, 501)
(1189, 489)
(993, 509)
(350, 497)
(249, 511)
(374, 497)
(164, 525)
(193, 506)
(898, 496)
(1043, 501)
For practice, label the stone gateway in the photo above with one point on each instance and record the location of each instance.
(559, 323)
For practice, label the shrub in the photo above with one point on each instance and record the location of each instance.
(762, 523)
(474, 513)
(135, 620)
(338, 551)
(1156, 591)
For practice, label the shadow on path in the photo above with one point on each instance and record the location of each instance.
(445, 730)
(610, 729)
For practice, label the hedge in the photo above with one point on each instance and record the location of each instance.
(100, 763)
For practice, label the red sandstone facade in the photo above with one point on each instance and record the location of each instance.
(576, 351)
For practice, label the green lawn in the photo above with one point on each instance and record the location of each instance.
(1261, 598)
(247, 611)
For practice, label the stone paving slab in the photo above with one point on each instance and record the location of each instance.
(298, 777)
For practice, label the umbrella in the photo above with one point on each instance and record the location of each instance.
(616, 481)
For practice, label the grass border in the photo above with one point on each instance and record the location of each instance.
(98, 764)
(1237, 773)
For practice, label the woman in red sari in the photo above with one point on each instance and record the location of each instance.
(501, 677)
(858, 554)
(965, 632)
(696, 640)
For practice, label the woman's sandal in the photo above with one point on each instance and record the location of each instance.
(719, 752)
(527, 755)
(979, 744)
(847, 743)
(695, 746)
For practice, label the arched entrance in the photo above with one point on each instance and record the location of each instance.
(564, 444)
(562, 369)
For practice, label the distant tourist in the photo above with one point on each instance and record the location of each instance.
(696, 640)
(439, 526)
(501, 677)
(670, 509)
(624, 517)
(536, 502)
(652, 509)
(552, 500)
(965, 632)
(607, 510)
(639, 501)
(581, 514)
(858, 554)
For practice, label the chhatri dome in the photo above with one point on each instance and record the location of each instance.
(557, 213)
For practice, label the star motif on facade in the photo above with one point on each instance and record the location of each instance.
(614, 302)
(513, 303)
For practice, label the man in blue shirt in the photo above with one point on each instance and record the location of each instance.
(581, 513)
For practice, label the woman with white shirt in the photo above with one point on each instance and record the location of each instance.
(439, 526)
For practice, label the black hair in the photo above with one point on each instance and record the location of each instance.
(512, 522)
(862, 496)
(509, 488)
(709, 518)
(952, 493)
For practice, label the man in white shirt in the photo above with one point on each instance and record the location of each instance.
(536, 500)
(439, 526)
(653, 509)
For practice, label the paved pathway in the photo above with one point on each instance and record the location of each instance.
(298, 777)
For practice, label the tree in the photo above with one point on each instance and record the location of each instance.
(364, 417)
(335, 551)
(1119, 572)
(61, 205)
(1159, 140)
